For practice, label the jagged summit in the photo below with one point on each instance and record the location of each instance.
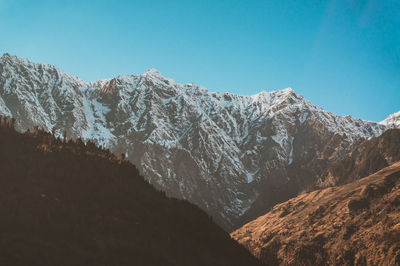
(5, 55)
(392, 120)
(266, 94)
(153, 72)
(288, 90)
(14, 59)
(15, 67)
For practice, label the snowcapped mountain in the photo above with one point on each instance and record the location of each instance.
(392, 120)
(229, 154)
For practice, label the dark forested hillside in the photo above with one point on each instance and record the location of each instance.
(70, 203)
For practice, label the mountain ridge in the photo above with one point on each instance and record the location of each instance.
(217, 150)
(392, 120)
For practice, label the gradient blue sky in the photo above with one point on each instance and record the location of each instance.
(342, 55)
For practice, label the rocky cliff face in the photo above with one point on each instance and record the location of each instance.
(232, 155)
(354, 224)
(365, 157)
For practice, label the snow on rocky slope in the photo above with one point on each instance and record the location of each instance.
(217, 150)
(392, 121)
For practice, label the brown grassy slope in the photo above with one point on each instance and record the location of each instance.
(75, 204)
(357, 223)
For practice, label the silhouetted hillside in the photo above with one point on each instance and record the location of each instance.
(70, 203)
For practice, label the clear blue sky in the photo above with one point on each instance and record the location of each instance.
(342, 55)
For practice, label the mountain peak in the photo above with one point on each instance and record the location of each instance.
(14, 59)
(5, 55)
(288, 90)
(392, 120)
(153, 72)
(265, 94)
(395, 115)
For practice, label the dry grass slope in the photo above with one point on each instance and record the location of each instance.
(354, 224)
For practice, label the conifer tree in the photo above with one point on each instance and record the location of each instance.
(12, 123)
(64, 136)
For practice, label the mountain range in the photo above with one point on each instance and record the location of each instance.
(234, 156)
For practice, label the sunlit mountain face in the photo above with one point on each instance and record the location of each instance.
(392, 120)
